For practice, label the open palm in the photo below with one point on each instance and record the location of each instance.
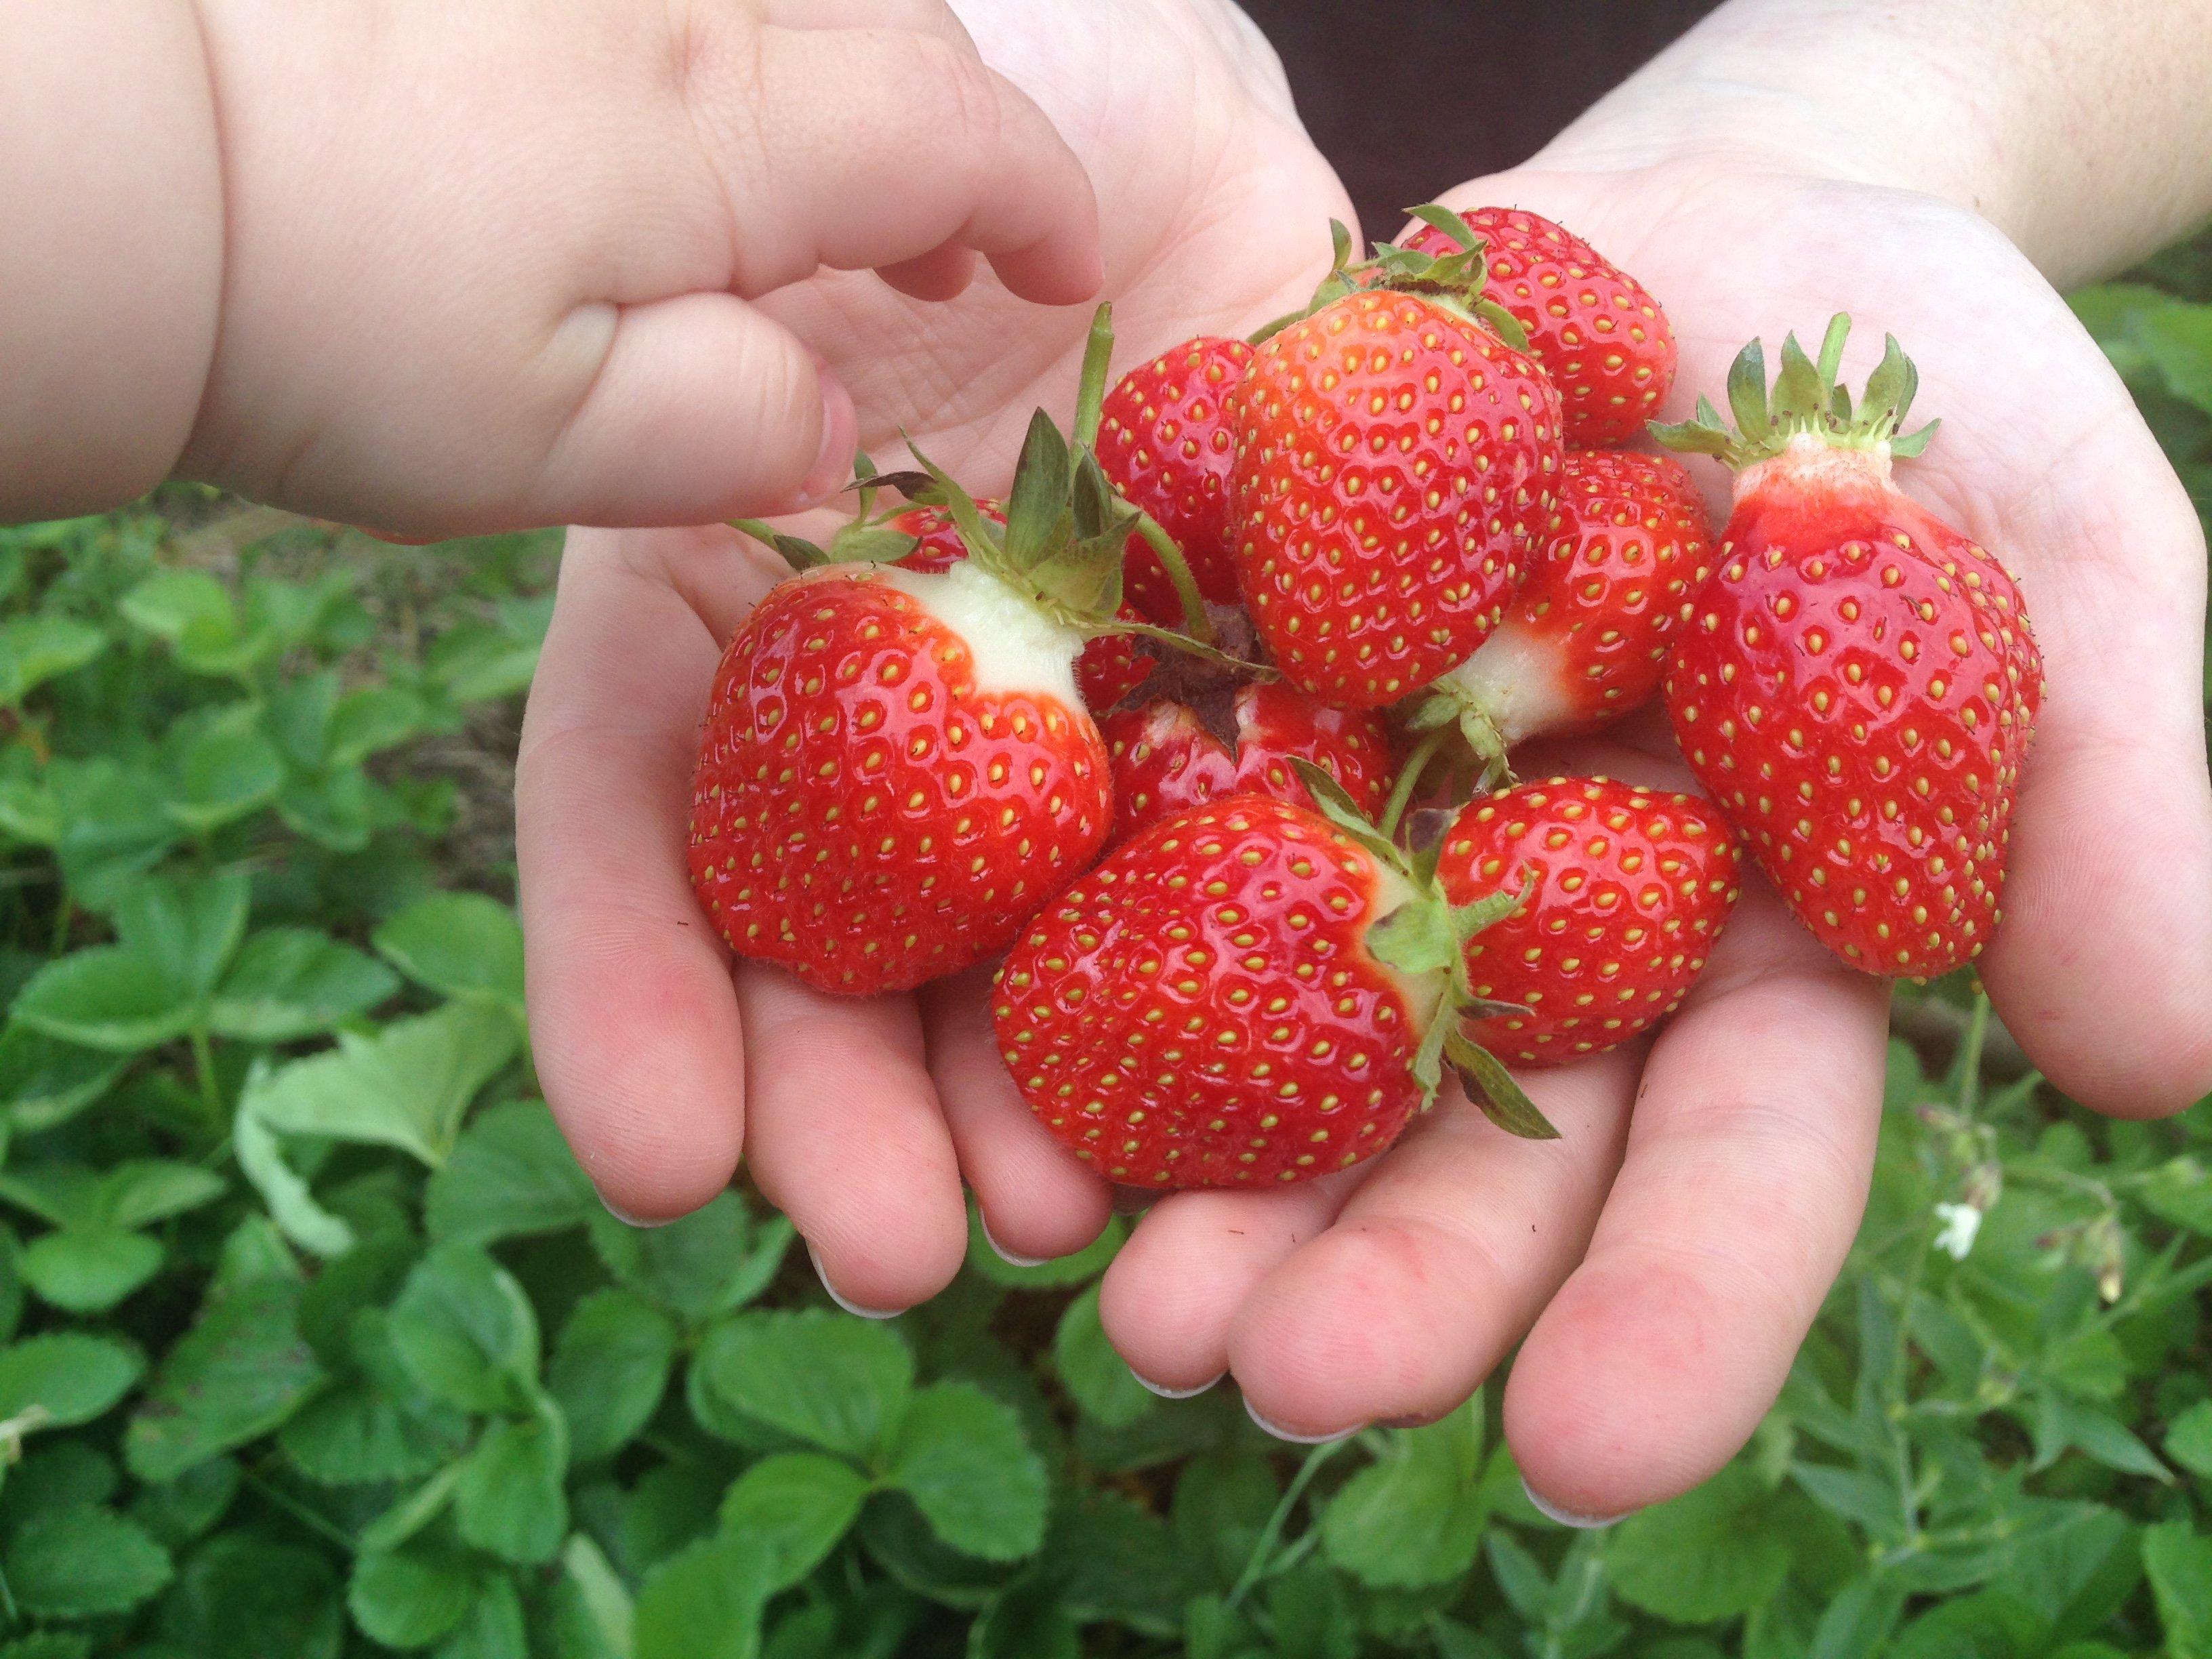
(1665, 1269)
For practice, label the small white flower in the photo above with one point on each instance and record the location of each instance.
(1960, 1223)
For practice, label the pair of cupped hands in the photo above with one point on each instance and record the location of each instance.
(1659, 1263)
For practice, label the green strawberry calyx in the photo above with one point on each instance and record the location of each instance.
(1454, 280)
(1424, 938)
(1806, 401)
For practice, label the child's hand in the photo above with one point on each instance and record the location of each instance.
(861, 1118)
(441, 268)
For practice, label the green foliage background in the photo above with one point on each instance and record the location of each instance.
(314, 1342)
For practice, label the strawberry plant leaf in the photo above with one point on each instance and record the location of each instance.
(249, 1596)
(591, 1610)
(89, 1269)
(108, 998)
(408, 1598)
(143, 1191)
(45, 1082)
(493, 1627)
(688, 1266)
(406, 1086)
(287, 983)
(962, 1457)
(510, 1176)
(1709, 1555)
(828, 1379)
(2178, 1562)
(35, 649)
(291, 1202)
(2189, 1440)
(609, 1370)
(69, 1376)
(83, 1562)
(1099, 1379)
(1416, 1515)
(459, 944)
(222, 771)
(235, 1376)
(510, 1500)
(703, 1602)
(465, 1333)
(788, 1511)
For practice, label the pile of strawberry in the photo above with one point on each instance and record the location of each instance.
(1208, 721)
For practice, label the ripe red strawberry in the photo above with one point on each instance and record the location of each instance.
(897, 773)
(1604, 340)
(1585, 640)
(1249, 992)
(1396, 468)
(1858, 683)
(1629, 889)
(1165, 442)
(896, 769)
(1168, 756)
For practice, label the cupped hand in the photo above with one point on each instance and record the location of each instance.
(1664, 1267)
(860, 1118)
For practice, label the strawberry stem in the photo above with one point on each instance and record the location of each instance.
(1195, 621)
(1090, 388)
(1409, 779)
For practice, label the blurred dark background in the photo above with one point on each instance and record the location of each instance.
(1407, 97)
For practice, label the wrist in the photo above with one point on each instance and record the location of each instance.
(111, 271)
(2081, 133)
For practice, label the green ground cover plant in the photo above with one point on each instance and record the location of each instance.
(314, 1342)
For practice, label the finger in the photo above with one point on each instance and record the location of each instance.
(1037, 1198)
(848, 1141)
(2102, 966)
(1745, 1172)
(1170, 1297)
(634, 1027)
(697, 409)
(932, 17)
(943, 273)
(883, 145)
(1438, 1264)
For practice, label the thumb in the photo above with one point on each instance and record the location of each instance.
(703, 408)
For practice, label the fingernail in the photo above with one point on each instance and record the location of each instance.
(843, 1301)
(1008, 1255)
(1294, 1437)
(629, 1220)
(1167, 1393)
(1565, 1517)
(841, 436)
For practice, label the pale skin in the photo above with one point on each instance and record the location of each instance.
(1933, 171)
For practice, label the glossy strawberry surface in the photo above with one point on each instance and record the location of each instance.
(1856, 688)
(1396, 470)
(1201, 1009)
(1628, 888)
(1166, 759)
(938, 546)
(1164, 441)
(880, 798)
(1585, 640)
(1599, 334)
